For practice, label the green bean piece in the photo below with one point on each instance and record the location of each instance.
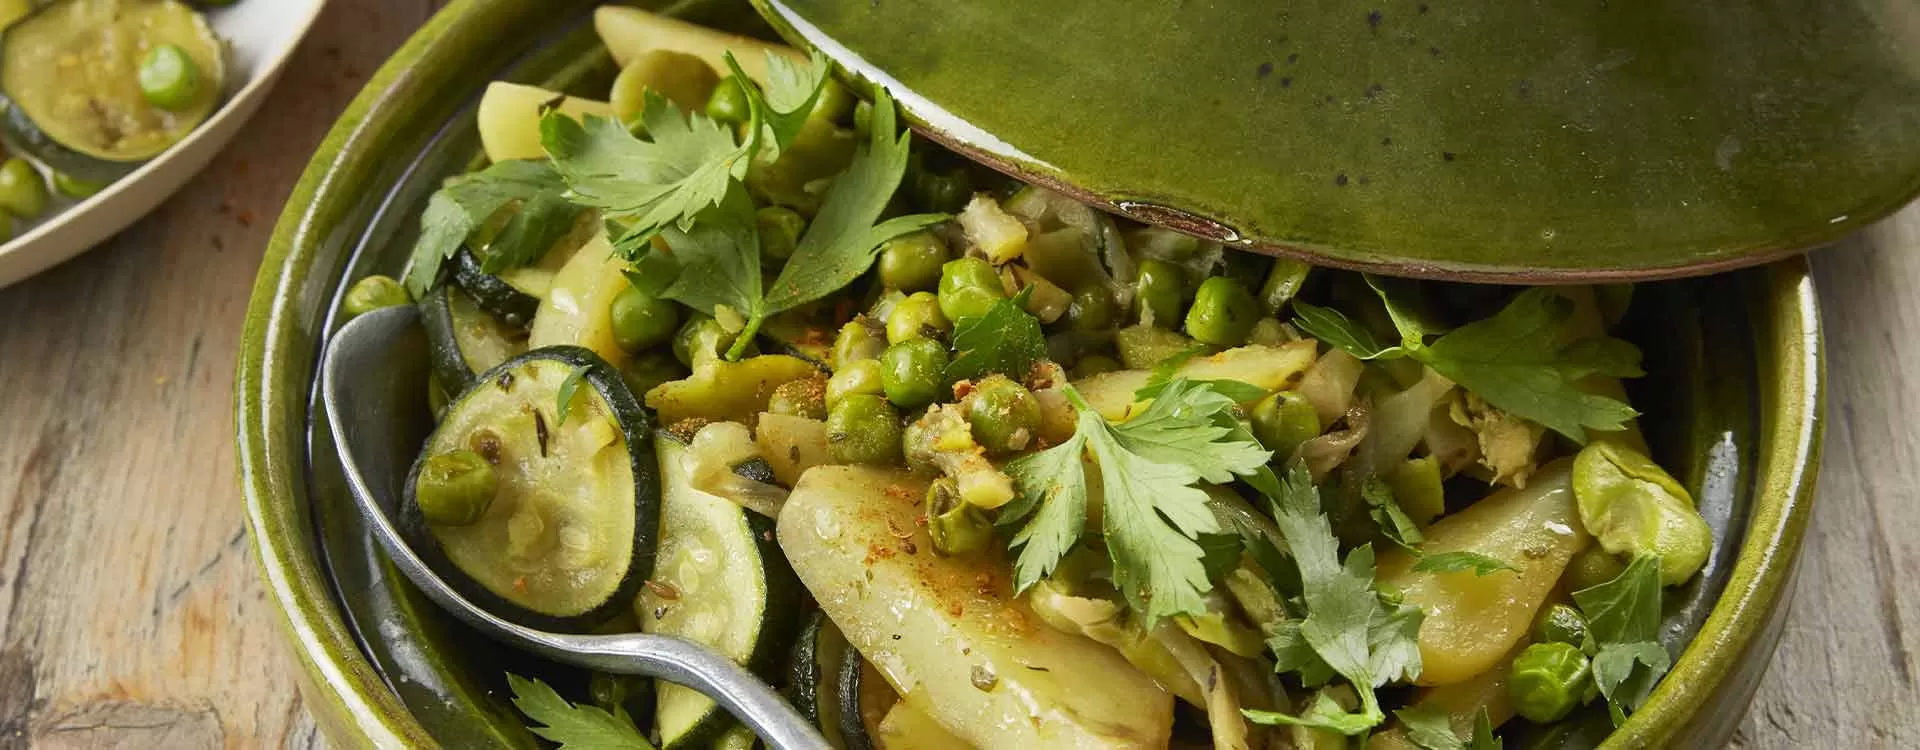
(74, 187)
(917, 317)
(860, 378)
(642, 321)
(1094, 364)
(373, 293)
(860, 339)
(455, 488)
(1561, 623)
(1223, 313)
(1004, 415)
(912, 372)
(701, 339)
(911, 262)
(728, 104)
(968, 288)
(1548, 681)
(169, 79)
(648, 370)
(1092, 309)
(1161, 287)
(1283, 282)
(22, 192)
(1419, 487)
(863, 429)
(957, 527)
(800, 398)
(1284, 420)
(780, 230)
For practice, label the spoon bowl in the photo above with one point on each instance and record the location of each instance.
(373, 368)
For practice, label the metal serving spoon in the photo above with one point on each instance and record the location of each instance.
(374, 366)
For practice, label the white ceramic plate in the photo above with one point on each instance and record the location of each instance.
(261, 35)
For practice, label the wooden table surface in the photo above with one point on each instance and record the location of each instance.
(130, 613)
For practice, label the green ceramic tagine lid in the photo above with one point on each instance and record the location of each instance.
(1519, 140)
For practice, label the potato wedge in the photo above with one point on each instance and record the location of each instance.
(631, 32)
(1473, 621)
(947, 631)
(1269, 368)
(578, 309)
(510, 114)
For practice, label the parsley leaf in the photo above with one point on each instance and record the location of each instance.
(1624, 617)
(568, 388)
(787, 99)
(1348, 626)
(1153, 516)
(842, 240)
(1432, 729)
(1459, 560)
(1517, 360)
(456, 212)
(1005, 339)
(580, 727)
(1394, 522)
(685, 168)
(719, 259)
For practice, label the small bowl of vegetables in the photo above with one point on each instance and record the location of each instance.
(720, 350)
(111, 105)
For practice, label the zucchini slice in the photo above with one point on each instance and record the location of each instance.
(515, 294)
(465, 340)
(720, 580)
(813, 676)
(864, 697)
(70, 75)
(569, 535)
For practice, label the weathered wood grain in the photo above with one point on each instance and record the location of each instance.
(130, 613)
(1848, 670)
(130, 610)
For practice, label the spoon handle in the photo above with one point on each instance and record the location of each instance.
(687, 663)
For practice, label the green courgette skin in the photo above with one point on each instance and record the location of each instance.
(636, 428)
(494, 294)
(853, 726)
(804, 670)
(23, 133)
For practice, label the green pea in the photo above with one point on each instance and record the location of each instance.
(968, 288)
(22, 192)
(169, 78)
(859, 339)
(1223, 313)
(1284, 420)
(911, 262)
(373, 293)
(913, 372)
(920, 443)
(74, 187)
(647, 371)
(1560, 623)
(728, 104)
(862, 120)
(1092, 309)
(946, 192)
(917, 317)
(800, 398)
(957, 527)
(860, 378)
(1161, 287)
(780, 230)
(701, 339)
(1003, 414)
(1591, 567)
(642, 321)
(863, 429)
(1548, 681)
(455, 488)
(1094, 364)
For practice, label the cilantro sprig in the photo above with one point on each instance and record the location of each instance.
(1153, 517)
(574, 727)
(685, 185)
(458, 214)
(1349, 628)
(1624, 616)
(1520, 360)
